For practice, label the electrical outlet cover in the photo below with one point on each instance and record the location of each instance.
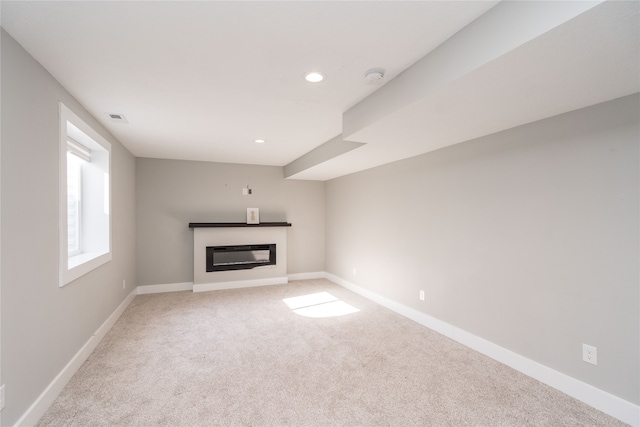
(590, 354)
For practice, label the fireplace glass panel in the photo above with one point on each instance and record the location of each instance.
(240, 257)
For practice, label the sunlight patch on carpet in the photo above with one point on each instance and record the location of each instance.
(321, 304)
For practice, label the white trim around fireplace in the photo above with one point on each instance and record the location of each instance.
(213, 280)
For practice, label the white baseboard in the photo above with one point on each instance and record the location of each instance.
(609, 404)
(307, 276)
(203, 287)
(44, 401)
(168, 287)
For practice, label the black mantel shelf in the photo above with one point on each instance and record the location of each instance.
(237, 224)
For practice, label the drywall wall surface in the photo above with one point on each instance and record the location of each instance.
(173, 193)
(527, 238)
(43, 325)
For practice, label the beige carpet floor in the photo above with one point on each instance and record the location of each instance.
(244, 357)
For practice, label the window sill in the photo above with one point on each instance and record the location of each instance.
(82, 264)
(79, 259)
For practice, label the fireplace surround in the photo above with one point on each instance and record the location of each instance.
(239, 236)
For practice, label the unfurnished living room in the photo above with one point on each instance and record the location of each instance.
(320, 213)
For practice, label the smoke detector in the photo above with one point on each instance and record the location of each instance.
(374, 76)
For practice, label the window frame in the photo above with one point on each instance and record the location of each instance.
(71, 267)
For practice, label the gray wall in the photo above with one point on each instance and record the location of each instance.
(173, 193)
(527, 238)
(43, 326)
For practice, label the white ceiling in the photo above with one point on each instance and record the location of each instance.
(201, 80)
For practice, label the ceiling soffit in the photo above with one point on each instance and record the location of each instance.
(518, 63)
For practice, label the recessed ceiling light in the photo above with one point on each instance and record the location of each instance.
(314, 77)
(259, 141)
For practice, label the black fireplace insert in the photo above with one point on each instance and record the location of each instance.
(240, 257)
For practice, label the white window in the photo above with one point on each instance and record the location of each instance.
(85, 173)
(74, 204)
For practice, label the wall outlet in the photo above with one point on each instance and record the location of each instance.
(355, 272)
(124, 284)
(590, 354)
(2, 397)
(421, 295)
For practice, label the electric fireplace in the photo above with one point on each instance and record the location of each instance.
(240, 257)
